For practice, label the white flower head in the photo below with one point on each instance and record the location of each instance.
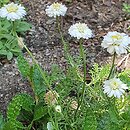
(80, 30)
(116, 42)
(12, 11)
(114, 87)
(49, 126)
(58, 108)
(56, 9)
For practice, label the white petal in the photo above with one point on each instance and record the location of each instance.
(111, 93)
(119, 41)
(111, 49)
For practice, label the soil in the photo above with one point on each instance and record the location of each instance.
(100, 15)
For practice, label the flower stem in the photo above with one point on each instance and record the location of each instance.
(14, 28)
(67, 55)
(32, 86)
(39, 68)
(59, 29)
(61, 35)
(35, 62)
(112, 67)
(84, 80)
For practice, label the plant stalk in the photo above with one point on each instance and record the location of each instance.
(39, 68)
(14, 28)
(67, 55)
(112, 67)
(35, 62)
(84, 80)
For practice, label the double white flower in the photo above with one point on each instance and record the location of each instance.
(56, 9)
(114, 87)
(12, 11)
(116, 42)
(80, 30)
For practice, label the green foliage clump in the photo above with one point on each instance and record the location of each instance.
(125, 77)
(95, 113)
(19, 102)
(2, 2)
(9, 46)
(8, 43)
(126, 8)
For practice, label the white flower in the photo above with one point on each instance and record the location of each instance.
(114, 87)
(12, 11)
(80, 30)
(58, 108)
(49, 126)
(116, 42)
(56, 9)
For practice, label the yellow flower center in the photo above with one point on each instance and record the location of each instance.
(12, 8)
(117, 37)
(80, 28)
(56, 6)
(114, 85)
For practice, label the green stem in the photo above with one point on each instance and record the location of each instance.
(32, 85)
(14, 28)
(15, 34)
(56, 122)
(59, 30)
(39, 68)
(113, 107)
(30, 126)
(71, 61)
(50, 114)
(63, 42)
(113, 65)
(35, 62)
(67, 55)
(84, 80)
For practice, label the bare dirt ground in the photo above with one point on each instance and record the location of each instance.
(100, 15)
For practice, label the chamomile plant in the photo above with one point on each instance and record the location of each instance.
(66, 100)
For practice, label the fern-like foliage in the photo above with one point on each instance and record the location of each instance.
(18, 102)
(56, 74)
(125, 77)
(126, 8)
(90, 120)
(108, 122)
(23, 66)
(37, 81)
(99, 73)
